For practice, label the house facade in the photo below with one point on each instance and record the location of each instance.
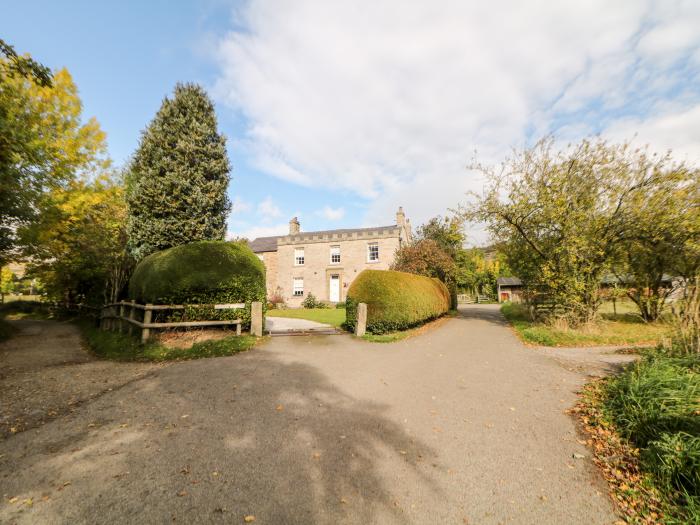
(324, 263)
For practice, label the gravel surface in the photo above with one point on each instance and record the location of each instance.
(46, 372)
(462, 424)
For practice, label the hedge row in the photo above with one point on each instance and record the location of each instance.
(204, 272)
(396, 300)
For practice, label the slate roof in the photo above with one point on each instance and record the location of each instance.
(264, 244)
(509, 281)
(269, 244)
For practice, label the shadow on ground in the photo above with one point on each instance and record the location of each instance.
(257, 437)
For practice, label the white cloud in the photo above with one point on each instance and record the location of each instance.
(332, 214)
(268, 209)
(389, 100)
(240, 206)
(252, 232)
(677, 130)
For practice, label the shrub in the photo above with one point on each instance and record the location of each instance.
(396, 300)
(201, 273)
(312, 302)
(656, 405)
(276, 300)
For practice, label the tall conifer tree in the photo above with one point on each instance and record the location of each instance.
(177, 182)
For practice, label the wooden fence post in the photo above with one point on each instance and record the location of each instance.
(132, 316)
(361, 323)
(147, 314)
(256, 319)
(121, 318)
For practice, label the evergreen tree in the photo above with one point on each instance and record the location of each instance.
(177, 181)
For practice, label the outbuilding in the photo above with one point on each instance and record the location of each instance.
(509, 289)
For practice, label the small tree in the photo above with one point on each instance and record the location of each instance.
(78, 243)
(447, 232)
(563, 217)
(7, 283)
(425, 257)
(661, 250)
(177, 182)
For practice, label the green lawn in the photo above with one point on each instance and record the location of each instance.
(331, 316)
(623, 329)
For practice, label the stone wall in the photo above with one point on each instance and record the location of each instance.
(269, 259)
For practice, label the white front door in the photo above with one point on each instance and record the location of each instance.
(335, 289)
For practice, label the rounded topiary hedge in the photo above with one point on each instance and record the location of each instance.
(396, 300)
(203, 273)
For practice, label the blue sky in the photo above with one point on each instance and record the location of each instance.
(341, 112)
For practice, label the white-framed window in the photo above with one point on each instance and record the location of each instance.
(335, 254)
(298, 286)
(298, 256)
(373, 252)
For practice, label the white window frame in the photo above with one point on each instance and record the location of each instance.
(297, 291)
(299, 258)
(335, 250)
(369, 252)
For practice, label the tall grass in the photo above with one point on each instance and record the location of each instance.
(655, 404)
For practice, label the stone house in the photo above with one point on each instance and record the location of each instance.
(324, 263)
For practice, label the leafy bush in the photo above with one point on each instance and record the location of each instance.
(395, 300)
(312, 302)
(655, 404)
(201, 273)
(276, 300)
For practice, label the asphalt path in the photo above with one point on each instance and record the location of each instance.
(462, 424)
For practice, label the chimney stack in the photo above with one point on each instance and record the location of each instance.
(400, 217)
(294, 226)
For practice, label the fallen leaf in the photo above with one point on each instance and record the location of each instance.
(14, 500)
(249, 519)
(29, 502)
(186, 415)
(279, 408)
(343, 500)
(182, 493)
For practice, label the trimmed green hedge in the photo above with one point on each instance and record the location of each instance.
(204, 272)
(396, 300)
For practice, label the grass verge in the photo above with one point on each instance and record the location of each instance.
(644, 429)
(121, 347)
(332, 316)
(623, 329)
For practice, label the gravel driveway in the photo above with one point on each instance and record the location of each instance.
(460, 425)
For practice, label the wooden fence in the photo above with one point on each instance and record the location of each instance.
(122, 316)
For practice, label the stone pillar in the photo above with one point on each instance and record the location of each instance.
(256, 319)
(361, 323)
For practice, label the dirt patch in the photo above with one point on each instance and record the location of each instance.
(187, 339)
(45, 371)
